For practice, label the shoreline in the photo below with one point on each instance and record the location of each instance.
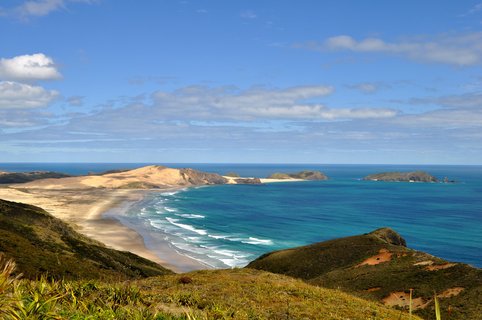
(97, 214)
(160, 248)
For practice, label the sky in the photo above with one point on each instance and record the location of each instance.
(253, 81)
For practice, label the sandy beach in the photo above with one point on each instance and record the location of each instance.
(84, 210)
(95, 206)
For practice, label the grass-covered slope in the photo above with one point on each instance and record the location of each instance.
(42, 244)
(379, 266)
(222, 294)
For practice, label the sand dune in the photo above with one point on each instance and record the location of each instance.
(149, 177)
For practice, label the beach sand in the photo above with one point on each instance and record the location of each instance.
(84, 211)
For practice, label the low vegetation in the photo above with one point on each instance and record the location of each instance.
(222, 294)
(22, 177)
(378, 266)
(44, 245)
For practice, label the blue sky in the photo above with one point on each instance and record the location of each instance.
(241, 81)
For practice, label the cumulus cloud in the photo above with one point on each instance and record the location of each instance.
(14, 95)
(29, 67)
(259, 103)
(456, 49)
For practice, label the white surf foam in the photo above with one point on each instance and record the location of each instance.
(186, 226)
(192, 216)
(253, 240)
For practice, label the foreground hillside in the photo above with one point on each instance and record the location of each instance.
(65, 275)
(379, 266)
(44, 245)
(221, 294)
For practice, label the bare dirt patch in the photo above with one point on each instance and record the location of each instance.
(440, 266)
(450, 292)
(383, 256)
(402, 299)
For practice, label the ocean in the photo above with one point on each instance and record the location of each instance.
(230, 225)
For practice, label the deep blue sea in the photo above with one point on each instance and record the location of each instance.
(230, 225)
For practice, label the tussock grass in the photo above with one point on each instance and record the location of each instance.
(222, 294)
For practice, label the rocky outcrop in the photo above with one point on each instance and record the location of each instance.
(414, 176)
(303, 175)
(389, 236)
(195, 177)
(247, 181)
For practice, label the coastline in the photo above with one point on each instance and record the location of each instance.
(158, 248)
(96, 214)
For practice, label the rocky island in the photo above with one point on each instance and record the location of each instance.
(302, 175)
(414, 176)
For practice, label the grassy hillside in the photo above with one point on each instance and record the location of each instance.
(379, 266)
(42, 244)
(221, 294)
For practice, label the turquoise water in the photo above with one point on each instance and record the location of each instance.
(230, 225)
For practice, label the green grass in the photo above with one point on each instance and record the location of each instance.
(224, 294)
(333, 264)
(44, 245)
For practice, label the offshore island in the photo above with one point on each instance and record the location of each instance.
(53, 226)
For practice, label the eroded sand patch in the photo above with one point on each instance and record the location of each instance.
(383, 256)
(440, 266)
(402, 299)
(451, 292)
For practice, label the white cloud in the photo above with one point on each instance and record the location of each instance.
(474, 9)
(43, 7)
(75, 101)
(259, 103)
(29, 67)
(461, 101)
(457, 49)
(40, 8)
(14, 95)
